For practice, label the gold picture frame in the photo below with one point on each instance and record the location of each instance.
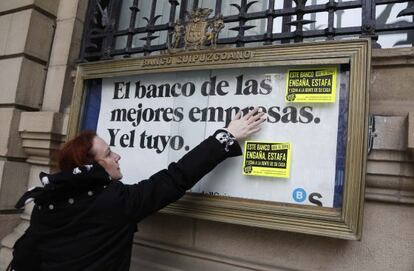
(345, 222)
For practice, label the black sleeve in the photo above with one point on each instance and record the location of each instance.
(168, 185)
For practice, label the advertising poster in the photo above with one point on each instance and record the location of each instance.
(154, 119)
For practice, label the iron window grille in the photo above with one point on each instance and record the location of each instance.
(103, 34)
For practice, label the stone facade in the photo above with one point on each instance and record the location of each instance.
(40, 42)
(39, 45)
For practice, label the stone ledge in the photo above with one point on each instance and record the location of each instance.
(389, 195)
(48, 6)
(392, 57)
(42, 134)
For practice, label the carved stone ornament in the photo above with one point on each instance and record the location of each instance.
(196, 32)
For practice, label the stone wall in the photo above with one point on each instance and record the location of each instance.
(26, 33)
(40, 41)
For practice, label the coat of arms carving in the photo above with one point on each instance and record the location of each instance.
(197, 31)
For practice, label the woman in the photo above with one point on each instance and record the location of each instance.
(84, 219)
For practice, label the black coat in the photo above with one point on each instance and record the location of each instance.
(87, 222)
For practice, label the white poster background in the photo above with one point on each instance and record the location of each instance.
(313, 145)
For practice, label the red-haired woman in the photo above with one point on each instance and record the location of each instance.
(84, 219)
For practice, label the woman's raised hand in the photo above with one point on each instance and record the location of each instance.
(242, 127)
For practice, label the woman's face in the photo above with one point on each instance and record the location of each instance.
(106, 158)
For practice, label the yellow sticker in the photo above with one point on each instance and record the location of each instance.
(270, 159)
(316, 85)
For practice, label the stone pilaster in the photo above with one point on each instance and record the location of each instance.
(42, 133)
(26, 29)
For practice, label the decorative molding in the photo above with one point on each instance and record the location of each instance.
(193, 31)
(390, 166)
(42, 134)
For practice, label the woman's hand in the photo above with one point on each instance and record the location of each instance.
(242, 127)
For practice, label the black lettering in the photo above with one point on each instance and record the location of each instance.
(303, 112)
(112, 135)
(138, 118)
(208, 87)
(142, 140)
(164, 140)
(220, 86)
(151, 91)
(178, 114)
(265, 87)
(139, 90)
(118, 114)
(315, 201)
(251, 87)
(163, 90)
(147, 114)
(176, 142)
(166, 115)
(120, 92)
(192, 114)
(131, 113)
(290, 114)
(173, 93)
(211, 112)
(239, 85)
(273, 115)
(190, 92)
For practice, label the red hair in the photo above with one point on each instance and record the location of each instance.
(77, 151)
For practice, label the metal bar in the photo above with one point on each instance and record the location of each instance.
(286, 28)
(134, 10)
(368, 21)
(384, 2)
(171, 21)
(395, 27)
(330, 31)
(218, 8)
(98, 40)
(300, 6)
(86, 31)
(150, 28)
(270, 17)
(183, 9)
(173, 9)
(195, 4)
(242, 22)
(113, 9)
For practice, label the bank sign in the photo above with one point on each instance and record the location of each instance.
(298, 157)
